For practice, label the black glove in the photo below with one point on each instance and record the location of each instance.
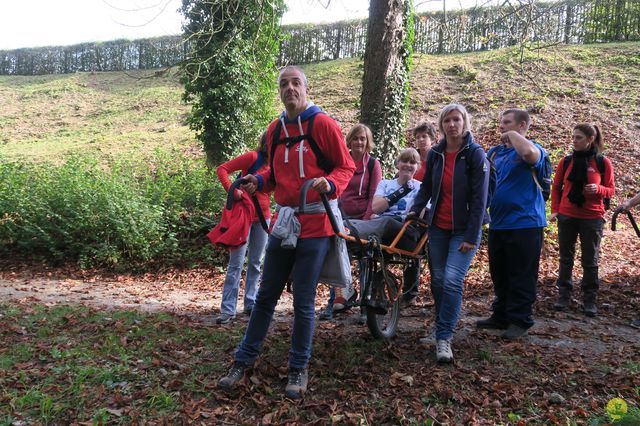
(398, 194)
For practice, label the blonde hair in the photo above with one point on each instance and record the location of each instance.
(409, 155)
(367, 131)
(466, 117)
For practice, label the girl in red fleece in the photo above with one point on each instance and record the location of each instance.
(577, 202)
(251, 162)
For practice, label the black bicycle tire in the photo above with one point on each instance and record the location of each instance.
(373, 320)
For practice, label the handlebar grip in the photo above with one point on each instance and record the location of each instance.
(232, 189)
(303, 195)
(325, 202)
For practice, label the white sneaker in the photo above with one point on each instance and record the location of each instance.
(444, 355)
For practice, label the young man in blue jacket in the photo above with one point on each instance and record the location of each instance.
(516, 230)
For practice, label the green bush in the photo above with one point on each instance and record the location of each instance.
(125, 213)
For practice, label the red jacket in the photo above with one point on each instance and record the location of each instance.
(358, 195)
(286, 192)
(593, 206)
(242, 164)
(233, 229)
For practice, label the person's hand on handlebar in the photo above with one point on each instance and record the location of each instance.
(251, 184)
(321, 185)
(237, 195)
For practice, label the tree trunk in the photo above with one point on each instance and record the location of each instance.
(384, 74)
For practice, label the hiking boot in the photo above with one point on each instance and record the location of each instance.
(296, 383)
(326, 314)
(492, 323)
(224, 318)
(563, 302)
(590, 309)
(444, 355)
(635, 323)
(514, 332)
(233, 377)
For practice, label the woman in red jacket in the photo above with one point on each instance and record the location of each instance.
(582, 181)
(249, 163)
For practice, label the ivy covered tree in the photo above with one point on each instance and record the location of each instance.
(385, 83)
(229, 73)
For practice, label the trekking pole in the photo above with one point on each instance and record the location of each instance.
(631, 219)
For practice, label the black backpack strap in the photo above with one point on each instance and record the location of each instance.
(601, 168)
(274, 142)
(370, 165)
(323, 163)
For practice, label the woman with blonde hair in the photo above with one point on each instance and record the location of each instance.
(456, 182)
(356, 201)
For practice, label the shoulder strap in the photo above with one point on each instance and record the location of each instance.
(274, 142)
(323, 163)
(565, 164)
(370, 165)
(492, 153)
(256, 164)
(601, 166)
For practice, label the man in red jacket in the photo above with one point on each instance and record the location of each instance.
(304, 144)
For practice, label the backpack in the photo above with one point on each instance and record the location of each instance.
(601, 168)
(543, 180)
(493, 176)
(323, 163)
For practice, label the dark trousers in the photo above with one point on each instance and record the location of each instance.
(590, 233)
(303, 264)
(514, 259)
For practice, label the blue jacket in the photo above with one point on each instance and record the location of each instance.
(469, 193)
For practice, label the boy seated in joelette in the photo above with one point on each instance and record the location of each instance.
(392, 201)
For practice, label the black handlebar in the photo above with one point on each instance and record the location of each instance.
(229, 204)
(631, 219)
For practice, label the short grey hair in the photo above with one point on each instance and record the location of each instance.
(466, 117)
(293, 67)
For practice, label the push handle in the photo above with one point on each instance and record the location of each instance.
(631, 219)
(229, 204)
(302, 206)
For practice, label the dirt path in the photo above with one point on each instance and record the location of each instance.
(197, 294)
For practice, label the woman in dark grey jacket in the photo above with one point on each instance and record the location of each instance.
(456, 182)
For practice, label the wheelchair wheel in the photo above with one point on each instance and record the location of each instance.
(384, 311)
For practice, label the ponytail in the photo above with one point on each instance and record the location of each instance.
(592, 130)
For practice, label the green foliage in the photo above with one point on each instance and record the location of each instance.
(230, 71)
(126, 213)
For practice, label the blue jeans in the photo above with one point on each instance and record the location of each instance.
(256, 241)
(304, 264)
(448, 267)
